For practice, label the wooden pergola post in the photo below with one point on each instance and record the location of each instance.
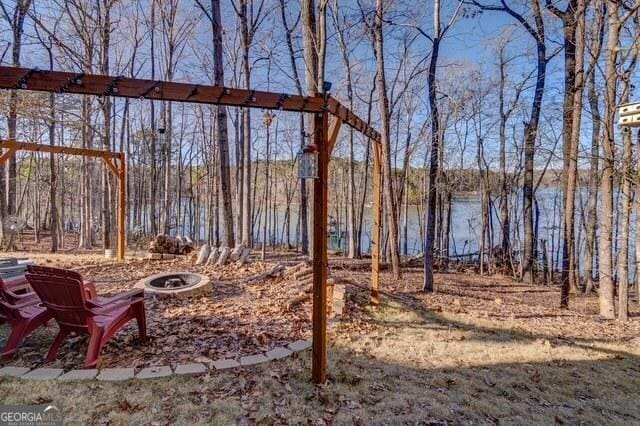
(320, 258)
(122, 205)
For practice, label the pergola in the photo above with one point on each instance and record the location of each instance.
(324, 138)
(115, 162)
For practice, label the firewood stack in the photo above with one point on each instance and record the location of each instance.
(164, 244)
(214, 256)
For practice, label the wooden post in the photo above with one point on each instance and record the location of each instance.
(118, 167)
(5, 156)
(320, 259)
(122, 188)
(334, 131)
(376, 212)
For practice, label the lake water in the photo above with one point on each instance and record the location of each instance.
(465, 226)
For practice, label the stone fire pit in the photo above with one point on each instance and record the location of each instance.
(175, 284)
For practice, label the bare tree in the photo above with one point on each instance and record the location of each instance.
(250, 18)
(439, 32)
(595, 44)
(314, 45)
(615, 25)
(222, 136)
(47, 43)
(303, 219)
(16, 20)
(536, 30)
(627, 185)
(385, 118)
(506, 109)
(573, 28)
(104, 11)
(339, 23)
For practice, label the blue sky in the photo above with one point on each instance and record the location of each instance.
(471, 41)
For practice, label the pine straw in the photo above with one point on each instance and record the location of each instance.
(235, 319)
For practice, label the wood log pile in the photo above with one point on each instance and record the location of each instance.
(164, 244)
(276, 272)
(221, 256)
(302, 275)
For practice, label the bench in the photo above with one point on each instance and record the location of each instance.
(12, 267)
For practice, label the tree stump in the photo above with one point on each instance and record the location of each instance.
(224, 256)
(213, 256)
(203, 255)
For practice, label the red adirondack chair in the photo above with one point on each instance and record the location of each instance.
(23, 312)
(89, 286)
(65, 296)
(16, 290)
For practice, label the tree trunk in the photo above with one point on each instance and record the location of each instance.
(432, 184)
(221, 131)
(387, 176)
(310, 41)
(17, 27)
(505, 191)
(569, 152)
(106, 131)
(594, 180)
(623, 253)
(606, 288)
(303, 219)
(246, 34)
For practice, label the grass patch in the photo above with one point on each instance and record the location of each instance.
(392, 364)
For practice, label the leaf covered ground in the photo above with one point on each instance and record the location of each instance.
(481, 350)
(236, 318)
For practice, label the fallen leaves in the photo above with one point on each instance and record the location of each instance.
(239, 316)
(125, 405)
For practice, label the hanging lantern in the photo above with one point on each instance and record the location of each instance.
(161, 136)
(267, 118)
(308, 162)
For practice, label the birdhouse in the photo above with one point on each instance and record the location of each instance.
(308, 162)
(629, 115)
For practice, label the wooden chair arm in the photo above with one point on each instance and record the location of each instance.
(125, 295)
(25, 296)
(105, 309)
(123, 299)
(90, 289)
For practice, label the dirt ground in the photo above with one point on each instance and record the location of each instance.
(480, 350)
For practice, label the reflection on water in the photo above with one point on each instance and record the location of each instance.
(465, 225)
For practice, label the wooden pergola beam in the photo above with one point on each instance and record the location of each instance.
(6, 155)
(124, 87)
(118, 86)
(34, 147)
(115, 162)
(334, 131)
(347, 116)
